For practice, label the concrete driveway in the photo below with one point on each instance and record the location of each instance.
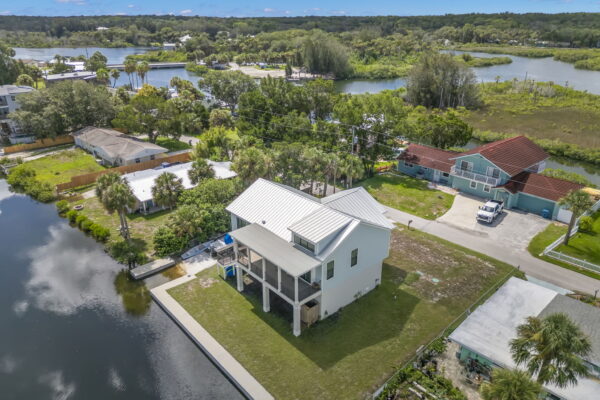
(513, 228)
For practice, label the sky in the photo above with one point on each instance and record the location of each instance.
(266, 8)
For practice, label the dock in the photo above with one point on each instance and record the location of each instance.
(157, 65)
(151, 268)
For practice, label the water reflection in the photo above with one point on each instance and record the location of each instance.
(134, 294)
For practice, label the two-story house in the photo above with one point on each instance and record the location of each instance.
(9, 103)
(507, 170)
(317, 255)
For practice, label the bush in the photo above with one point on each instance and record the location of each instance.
(86, 225)
(22, 178)
(80, 219)
(586, 224)
(99, 232)
(126, 253)
(71, 215)
(63, 207)
(167, 243)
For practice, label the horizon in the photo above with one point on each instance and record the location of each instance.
(311, 8)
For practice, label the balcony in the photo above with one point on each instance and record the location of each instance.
(474, 176)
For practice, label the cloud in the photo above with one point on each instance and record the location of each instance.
(130, 6)
(76, 2)
(269, 10)
(287, 12)
(5, 12)
(56, 381)
(121, 13)
(115, 380)
(8, 364)
(20, 307)
(185, 12)
(339, 12)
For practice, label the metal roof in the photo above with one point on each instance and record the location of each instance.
(360, 204)
(275, 249)
(320, 224)
(6, 90)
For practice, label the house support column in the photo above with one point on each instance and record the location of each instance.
(239, 276)
(266, 298)
(297, 319)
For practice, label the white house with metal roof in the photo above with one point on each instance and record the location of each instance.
(114, 147)
(141, 182)
(484, 337)
(318, 255)
(9, 103)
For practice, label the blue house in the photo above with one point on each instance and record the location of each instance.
(507, 170)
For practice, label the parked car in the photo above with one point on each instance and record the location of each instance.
(490, 211)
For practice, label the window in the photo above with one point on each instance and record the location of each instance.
(473, 185)
(486, 188)
(152, 157)
(354, 258)
(305, 277)
(445, 174)
(330, 270)
(466, 166)
(13, 98)
(240, 223)
(407, 164)
(137, 160)
(493, 172)
(304, 243)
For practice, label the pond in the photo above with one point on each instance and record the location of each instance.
(74, 327)
(114, 55)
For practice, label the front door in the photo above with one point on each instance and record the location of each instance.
(436, 175)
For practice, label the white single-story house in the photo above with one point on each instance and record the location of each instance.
(485, 335)
(116, 148)
(317, 255)
(141, 182)
(70, 76)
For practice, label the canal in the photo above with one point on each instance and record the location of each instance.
(73, 327)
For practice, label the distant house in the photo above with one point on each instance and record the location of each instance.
(9, 129)
(115, 148)
(313, 255)
(169, 46)
(70, 76)
(485, 335)
(141, 182)
(507, 170)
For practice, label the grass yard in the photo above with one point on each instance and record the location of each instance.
(408, 194)
(581, 245)
(172, 144)
(141, 227)
(426, 284)
(60, 167)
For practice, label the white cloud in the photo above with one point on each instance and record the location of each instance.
(339, 12)
(5, 12)
(130, 6)
(121, 13)
(115, 380)
(77, 2)
(185, 12)
(56, 381)
(8, 364)
(287, 12)
(269, 10)
(20, 307)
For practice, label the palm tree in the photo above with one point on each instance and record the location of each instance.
(105, 181)
(166, 190)
(130, 68)
(115, 74)
(102, 75)
(142, 70)
(200, 170)
(186, 221)
(250, 164)
(352, 168)
(314, 163)
(510, 384)
(332, 162)
(552, 349)
(119, 197)
(577, 201)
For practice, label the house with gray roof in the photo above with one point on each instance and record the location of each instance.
(485, 335)
(115, 148)
(316, 255)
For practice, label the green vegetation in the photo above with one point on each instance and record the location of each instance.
(399, 386)
(408, 194)
(23, 179)
(547, 237)
(351, 353)
(160, 56)
(585, 245)
(478, 62)
(172, 144)
(568, 176)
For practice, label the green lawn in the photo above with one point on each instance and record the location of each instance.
(60, 167)
(172, 144)
(141, 227)
(426, 284)
(408, 194)
(581, 245)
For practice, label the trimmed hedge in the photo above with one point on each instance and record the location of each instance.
(63, 207)
(97, 231)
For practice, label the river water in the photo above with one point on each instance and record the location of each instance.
(65, 331)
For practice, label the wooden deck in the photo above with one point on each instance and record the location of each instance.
(151, 268)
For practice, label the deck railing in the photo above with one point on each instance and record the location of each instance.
(474, 176)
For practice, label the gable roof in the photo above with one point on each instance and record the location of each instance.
(512, 155)
(429, 157)
(117, 144)
(358, 203)
(319, 224)
(540, 185)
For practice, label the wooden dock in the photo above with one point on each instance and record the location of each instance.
(151, 268)
(155, 65)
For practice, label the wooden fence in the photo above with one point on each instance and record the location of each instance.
(86, 179)
(39, 144)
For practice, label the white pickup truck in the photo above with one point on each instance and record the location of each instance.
(490, 210)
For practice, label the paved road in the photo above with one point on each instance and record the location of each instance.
(517, 257)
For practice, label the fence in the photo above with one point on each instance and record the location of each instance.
(86, 179)
(450, 328)
(557, 255)
(39, 144)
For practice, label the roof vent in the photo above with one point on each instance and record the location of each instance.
(263, 222)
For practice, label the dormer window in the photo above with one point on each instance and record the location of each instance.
(304, 243)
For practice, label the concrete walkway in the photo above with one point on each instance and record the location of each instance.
(245, 382)
(535, 267)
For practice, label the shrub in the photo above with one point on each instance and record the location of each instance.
(586, 224)
(86, 225)
(80, 219)
(72, 216)
(99, 232)
(167, 243)
(62, 206)
(126, 253)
